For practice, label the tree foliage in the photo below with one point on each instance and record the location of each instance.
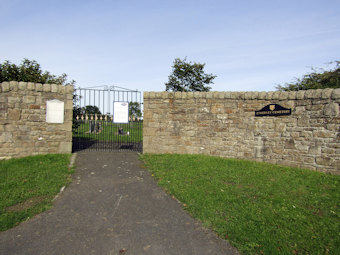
(91, 109)
(135, 110)
(30, 71)
(317, 79)
(187, 76)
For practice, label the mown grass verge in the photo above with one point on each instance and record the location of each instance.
(28, 186)
(259, 208)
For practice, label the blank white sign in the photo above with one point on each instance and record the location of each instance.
(54, 111)
(120, 112)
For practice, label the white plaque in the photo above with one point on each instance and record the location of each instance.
(120, 112)
(55, 111)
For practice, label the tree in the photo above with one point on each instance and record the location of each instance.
(318, 79)
(135, 110)
(30, 71)
(187, 76)
(91, 109)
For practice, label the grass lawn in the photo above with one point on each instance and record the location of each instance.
(109, 132)
(28, 186)
(259, 208)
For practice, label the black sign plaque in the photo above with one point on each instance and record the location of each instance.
(273, 110)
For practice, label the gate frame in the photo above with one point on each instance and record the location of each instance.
(111, 139)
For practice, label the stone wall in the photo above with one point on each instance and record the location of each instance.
(23, 127)
(224, 124)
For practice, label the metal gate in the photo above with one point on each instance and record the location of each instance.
(107, 118)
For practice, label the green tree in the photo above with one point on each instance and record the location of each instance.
(187, 76)
(30, 71)
(317, 79)
(91, 109)
(135, 110)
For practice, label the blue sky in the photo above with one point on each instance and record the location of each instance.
(249, 45)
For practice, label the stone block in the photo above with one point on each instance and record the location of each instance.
(248, 95)
(290, 144)
(54, 88)
(30, 86)
(309, 94)
(38, 87)
(262, 95)
(323, 161)
(227, 95)
(254, 95)
(47, 87)
(208, 94)
(22, 85)
(13, 85)
(331, 109)
(269, 95)
(69, 89)
(276, 95)
(184, 95)
(283, 95)
(5, 86)
(29, 99)
(300, 94)
(326, 93)
(6, 137)
(336, 94)
(14, 114)
(164, 95)
(61, 89)
(291, 95)
(69, 105)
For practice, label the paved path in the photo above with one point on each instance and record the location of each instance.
(112, 207)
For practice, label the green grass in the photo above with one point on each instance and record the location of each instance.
(28, 186)
(260, 208)
(109, 132)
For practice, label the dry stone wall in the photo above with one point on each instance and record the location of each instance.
(23, 127)
(224, 124)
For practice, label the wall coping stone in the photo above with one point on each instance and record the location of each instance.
(249, 95)
(54, 88)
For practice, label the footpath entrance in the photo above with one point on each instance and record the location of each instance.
(107, 119)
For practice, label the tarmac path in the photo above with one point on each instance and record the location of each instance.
(113, 206)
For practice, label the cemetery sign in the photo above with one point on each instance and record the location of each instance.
(273, 110)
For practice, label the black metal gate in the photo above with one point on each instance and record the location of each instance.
(107, 119)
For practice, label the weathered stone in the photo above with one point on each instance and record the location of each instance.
(300, 94)
(34, 106)
(262, 95)
(69, 89)
(336, 94)
(254, 95)
(5, 86)
(38, 87)
(13, 85)
(47, 87)
(30, 86)
(227, 95)
(269, 95)
(22, 85)
(6, 137)
(309, 94)
(331, 109)
(29, 99)
(276, 95)
(14, 114)
(54, 88)
(292, 95)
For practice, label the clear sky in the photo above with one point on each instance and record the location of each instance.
(249, 45)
